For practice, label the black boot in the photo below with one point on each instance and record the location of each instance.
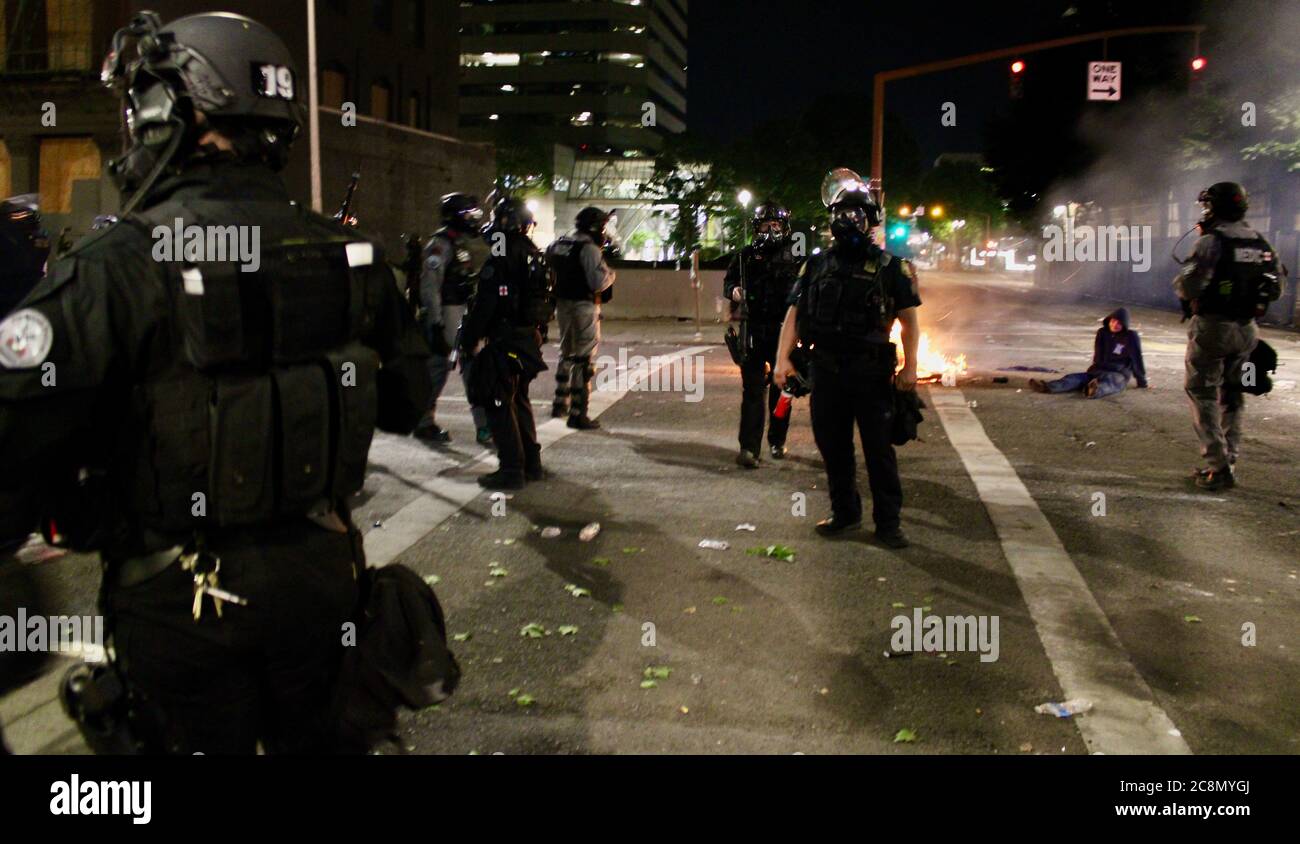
(834, 526)
(501, 480)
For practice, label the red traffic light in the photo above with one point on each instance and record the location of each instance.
(1198, 63)
(1019, 66)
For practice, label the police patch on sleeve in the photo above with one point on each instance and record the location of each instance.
(26, 337)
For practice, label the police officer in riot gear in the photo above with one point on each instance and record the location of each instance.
(202, 424)
(842, 310)
(583, 281)
(503, 332)
(758, 284)
(452, 260)
(1227, 284)
(24, 249)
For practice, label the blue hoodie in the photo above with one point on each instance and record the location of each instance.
(1120, 352)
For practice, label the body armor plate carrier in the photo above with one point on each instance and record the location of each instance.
(269, 406)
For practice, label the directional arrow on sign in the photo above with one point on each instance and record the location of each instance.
(1104, 81)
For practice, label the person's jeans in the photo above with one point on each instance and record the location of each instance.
(1108, 383)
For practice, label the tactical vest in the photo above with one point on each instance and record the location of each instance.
(269, 405)
(537, 302)
(460, 279)
(1241, 284)
(847, 307)
(565, 258)
(768, 278)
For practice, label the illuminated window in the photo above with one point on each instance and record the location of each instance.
(381, 101)
(62, 162)
(413, 111)
(333, 88)
(6, 171)
(53, 35)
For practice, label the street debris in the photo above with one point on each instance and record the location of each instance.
(1078, 706)
(551, 533)
(590, 532)
(577, 591)
(747, 526)
(714, 544)
(779, 552)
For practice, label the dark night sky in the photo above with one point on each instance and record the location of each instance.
(753, 60)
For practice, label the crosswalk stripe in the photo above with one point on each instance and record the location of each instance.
(1080, 643)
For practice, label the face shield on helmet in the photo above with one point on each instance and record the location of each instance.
(771, 225)
(853, 210)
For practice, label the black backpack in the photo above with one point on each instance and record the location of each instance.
(400, 659)
(1263, 360)
(537, 305)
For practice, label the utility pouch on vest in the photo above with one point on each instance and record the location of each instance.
(355, 370)
(241, 472)
(303, 396)
(173, 471)
(211, 307)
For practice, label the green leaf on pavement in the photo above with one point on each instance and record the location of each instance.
(533, 631)
(497, 571)
(720, 601)
(630, 550)
(568, 630)
(601, 561)
(463, 637)
(898, 605)
(1192, 619)
(779, 552)
(525, 700)
(649, 684)
(904, 735)
(657, 672)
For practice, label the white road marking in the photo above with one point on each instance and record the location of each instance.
(444, 496)
(1084, 651)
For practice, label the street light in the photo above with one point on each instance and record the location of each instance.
(936, 211)
(744, 198)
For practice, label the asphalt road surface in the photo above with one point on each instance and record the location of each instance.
(1071, 523)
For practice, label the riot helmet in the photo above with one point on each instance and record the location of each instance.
(233, 71)
(462, 211)
(592, 221)
(512, 214)
(854, 211)
(771, 223)
(1226, 201)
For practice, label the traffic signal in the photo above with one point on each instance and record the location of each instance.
(1017, 79)
(1197, 83)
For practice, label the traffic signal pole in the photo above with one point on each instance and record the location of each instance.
(878, 94)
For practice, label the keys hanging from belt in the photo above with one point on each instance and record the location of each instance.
(206, 568)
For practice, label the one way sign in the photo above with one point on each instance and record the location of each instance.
(1103, 81)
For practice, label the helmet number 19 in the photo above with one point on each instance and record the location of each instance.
(273, 81)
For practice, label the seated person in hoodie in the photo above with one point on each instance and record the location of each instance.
(1116, 356)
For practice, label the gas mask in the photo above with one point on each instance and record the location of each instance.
(850, 225)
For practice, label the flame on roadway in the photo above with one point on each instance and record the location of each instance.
(931, 362)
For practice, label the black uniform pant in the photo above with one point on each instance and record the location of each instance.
(760, 395)
(263, 673)
(857, 393)
(513, 427)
